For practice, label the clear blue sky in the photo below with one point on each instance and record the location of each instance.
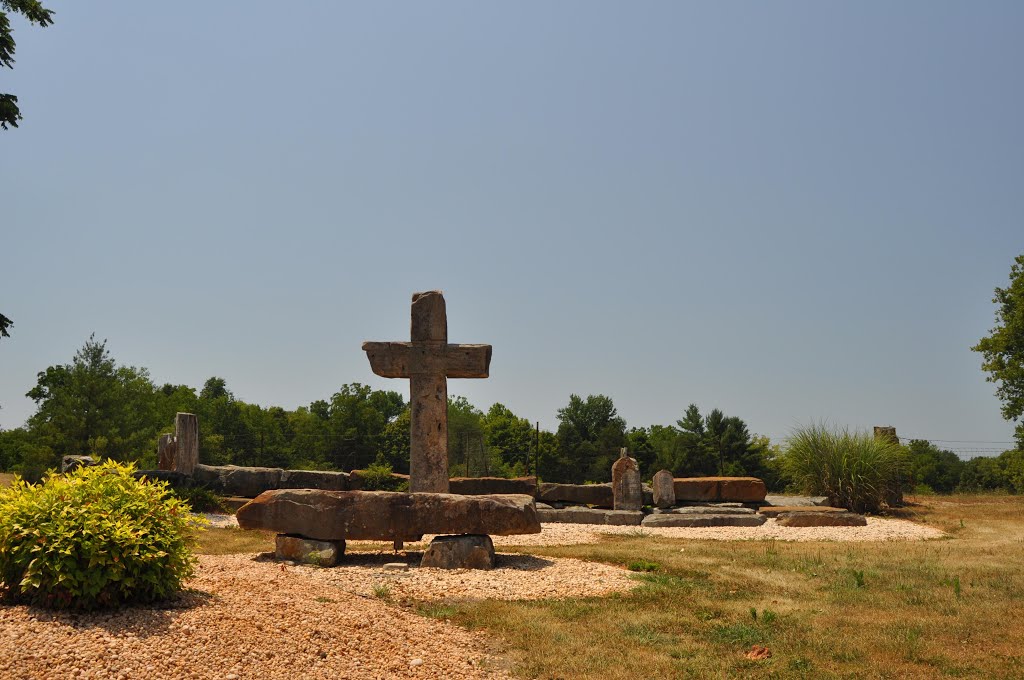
(791, 211)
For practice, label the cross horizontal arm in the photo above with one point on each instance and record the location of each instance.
(405, 359)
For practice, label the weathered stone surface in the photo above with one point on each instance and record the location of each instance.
(72, 463)
(385, 515)
(776, 510)
(395, 566)
(738, 489)
(314, 479)
(664, 489)
(482, 486)
(176, 480)
(586, 494)
(795, 501)
(741, 489)
(428, 361)
(620, 467)
(232, 480)
(703, 510)
(308, 551)
(701, 520)
(630, 492)
(472, 551)
(821, 519)
(165, 448)
(185, 453)
(696, 488)
(592, 516)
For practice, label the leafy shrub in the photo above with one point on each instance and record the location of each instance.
(380, 477)
(854, 469)
(95, 537)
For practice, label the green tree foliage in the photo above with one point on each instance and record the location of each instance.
(32, 10)
(5, 324)
(932, 469)
(93, 406)
(509, 439)
(1002, 350)
(96, 537)
(590, 434)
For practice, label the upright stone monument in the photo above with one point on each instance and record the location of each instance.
(627, 491)
(664, 489)
(428, 361)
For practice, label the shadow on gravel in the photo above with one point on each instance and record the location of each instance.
(377, 559)
(141, 620)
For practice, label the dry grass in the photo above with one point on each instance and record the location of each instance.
(234, 541)
(6, 478)
(948, 608)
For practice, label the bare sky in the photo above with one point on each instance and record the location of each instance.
(791, 211)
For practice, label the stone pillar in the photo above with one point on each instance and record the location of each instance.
(186, 439)
(165, 452)
(428, 455)
(664, 489)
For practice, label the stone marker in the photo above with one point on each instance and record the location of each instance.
(301, 549)
(631, 492)
(428, 361)
(469, 551)
(619, 467)
(165, 452)
(386, 515)
(821, 519)
(664, 489)
(186, 443)
(674, 520)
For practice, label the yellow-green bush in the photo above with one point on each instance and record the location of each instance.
(95, 537)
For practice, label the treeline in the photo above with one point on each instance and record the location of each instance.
(94, 406)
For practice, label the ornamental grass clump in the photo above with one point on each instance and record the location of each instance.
(95, 537)
(854, 469)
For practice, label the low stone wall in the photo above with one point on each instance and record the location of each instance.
(486, 486)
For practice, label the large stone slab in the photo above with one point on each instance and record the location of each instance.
(795, 501)
(592, 516)
(483, 486)
(314, 479)
(585, 494)
(735, 489)
(703, 510)
(674, 520)
(386, 515)
(472, 551)
(821, 519)
(776, 510)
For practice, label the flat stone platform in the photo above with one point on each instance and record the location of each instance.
(386, 515)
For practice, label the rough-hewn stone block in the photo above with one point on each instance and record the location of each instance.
(592, 516)
(232, 480)
(776, 510)
(737, 489)
(471, 551)
(674, 520)
(314, 479)
(586, 494)
(696, 488)
(386, 515)
(308, 551)
(821, 519)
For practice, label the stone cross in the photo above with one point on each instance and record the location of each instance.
(428, 361)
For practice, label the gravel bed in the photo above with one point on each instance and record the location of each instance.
(878, 529)
(243, 619)
(517, 577)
